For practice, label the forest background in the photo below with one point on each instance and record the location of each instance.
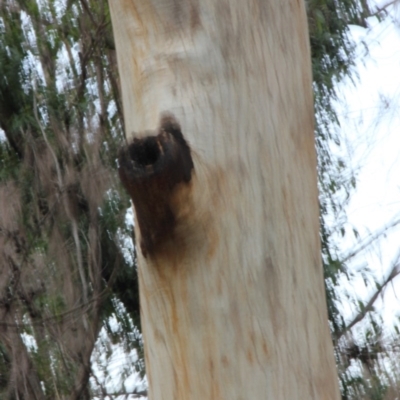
(69, 306)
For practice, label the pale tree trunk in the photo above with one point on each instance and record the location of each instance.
(231, 285)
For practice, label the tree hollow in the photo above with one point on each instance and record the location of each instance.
(151, 169)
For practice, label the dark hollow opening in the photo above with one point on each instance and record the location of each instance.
(145, 151)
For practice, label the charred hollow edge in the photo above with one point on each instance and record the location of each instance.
(150, 168)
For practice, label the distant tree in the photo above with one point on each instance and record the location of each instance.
(63, 269)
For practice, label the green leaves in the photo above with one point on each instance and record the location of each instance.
(61, 250)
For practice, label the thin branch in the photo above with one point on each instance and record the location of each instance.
(84, 307)
(369, 306)
(87, 11)
(42, 130)
(369, 241)
(378, 10)
(133, 394)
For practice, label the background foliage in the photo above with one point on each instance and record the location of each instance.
(69, 307)
(68, 287)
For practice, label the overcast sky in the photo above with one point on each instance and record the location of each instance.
(370, 122)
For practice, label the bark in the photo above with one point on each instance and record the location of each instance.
(225, 196)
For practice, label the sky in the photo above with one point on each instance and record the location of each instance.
(369, 114)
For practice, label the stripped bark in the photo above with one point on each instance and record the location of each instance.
(231, 286)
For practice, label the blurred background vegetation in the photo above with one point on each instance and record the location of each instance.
(69, 304)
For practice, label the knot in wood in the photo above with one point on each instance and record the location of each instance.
(151, 169)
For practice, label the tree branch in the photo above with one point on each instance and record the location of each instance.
(395, 271)
(369, 241)
(383, 8)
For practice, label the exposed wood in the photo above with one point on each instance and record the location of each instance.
(232, 297)
(153, 170)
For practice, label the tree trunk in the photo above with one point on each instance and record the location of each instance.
(225, 196)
